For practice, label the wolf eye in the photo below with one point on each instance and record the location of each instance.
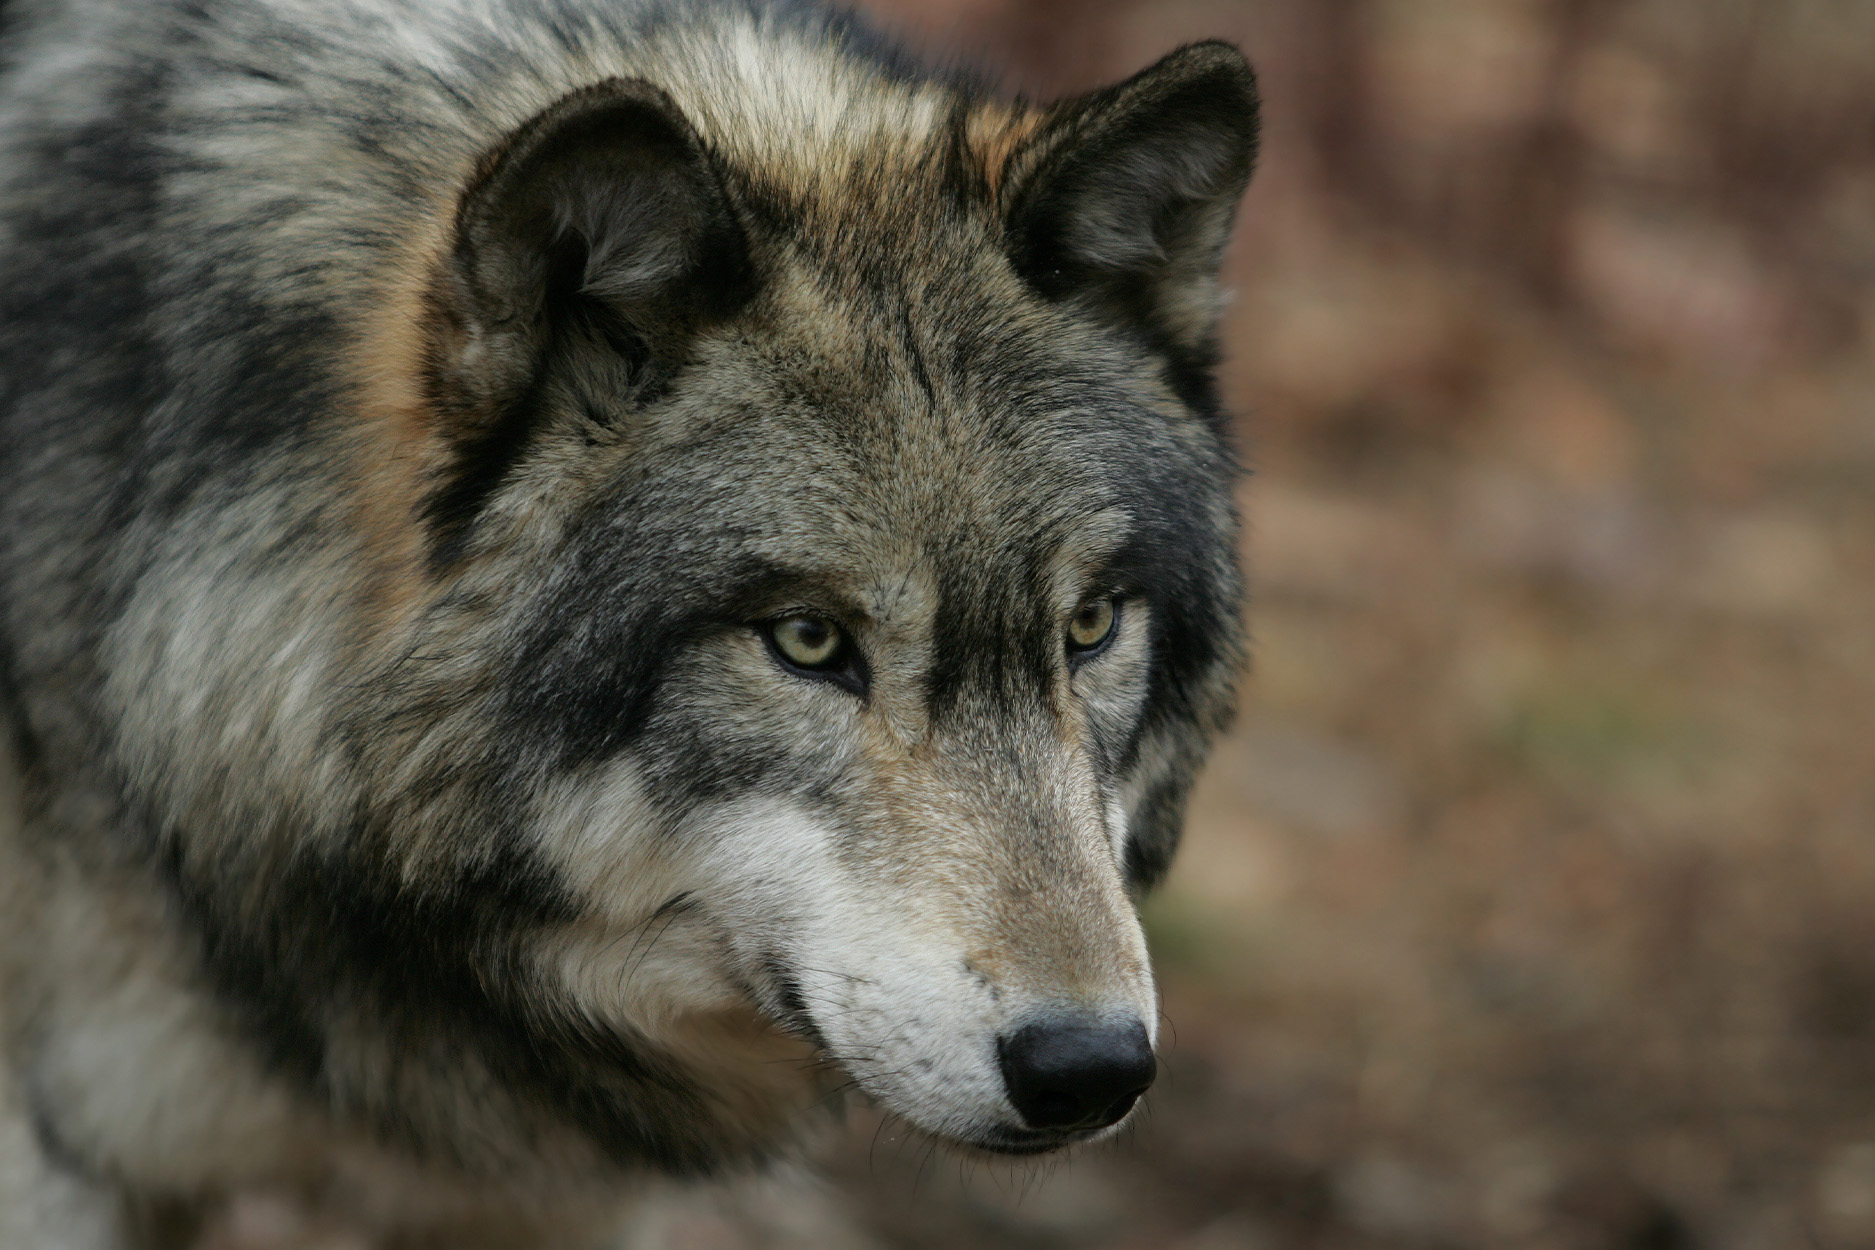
(1092, 625)
(813, 646)
(806, 641)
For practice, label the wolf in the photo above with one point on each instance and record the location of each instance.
(579, 578)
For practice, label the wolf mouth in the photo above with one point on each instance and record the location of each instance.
(1063, 1077)
(1023, 1142)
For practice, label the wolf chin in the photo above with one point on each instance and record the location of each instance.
(577, 578)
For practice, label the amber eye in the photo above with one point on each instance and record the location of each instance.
(806, 641)
(1092, 625)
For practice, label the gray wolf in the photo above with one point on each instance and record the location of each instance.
(577, 578)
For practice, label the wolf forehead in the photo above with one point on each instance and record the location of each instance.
(863, 441)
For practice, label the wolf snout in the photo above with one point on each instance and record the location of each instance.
(1065, 1072)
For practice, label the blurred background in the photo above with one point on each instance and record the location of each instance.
(1532, 901)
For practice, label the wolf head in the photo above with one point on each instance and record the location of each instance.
(795, 584)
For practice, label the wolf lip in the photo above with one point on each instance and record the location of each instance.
(1030, 1141)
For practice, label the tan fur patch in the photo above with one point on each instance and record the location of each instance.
(995, 134)
(396, 447)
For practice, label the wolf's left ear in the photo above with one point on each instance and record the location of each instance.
(603, 215)
(1124, 198)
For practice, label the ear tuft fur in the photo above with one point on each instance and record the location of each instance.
(1123, 198)
(604, 211)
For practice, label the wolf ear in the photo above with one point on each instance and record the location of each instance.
(1124, 198)
(604, 212)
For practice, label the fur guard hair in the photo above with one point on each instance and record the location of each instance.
(420, 422)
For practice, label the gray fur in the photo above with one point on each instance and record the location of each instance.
(410, 415)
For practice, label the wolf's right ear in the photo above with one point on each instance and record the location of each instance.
(1122, 199)
(605, 211)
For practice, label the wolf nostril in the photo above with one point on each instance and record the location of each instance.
(1075, 1072)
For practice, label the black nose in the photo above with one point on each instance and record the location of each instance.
(1075, 1072)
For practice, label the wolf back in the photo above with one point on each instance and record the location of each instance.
(577, 577)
